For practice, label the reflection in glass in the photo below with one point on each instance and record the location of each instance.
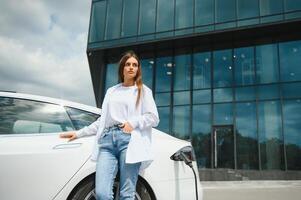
(184, 14)
(225, 10)
(147, 16)
(222, 95)
(246, 136)
(18, 116)
(163, 74)
(162, 99)
(291, 90)
(267, 63)
(270, 136)
(111, 75)
(270, 7)
(164, 119)
(165, 15)
(222, 74)
(292, 133)
(268, 92)
(244, 66)
(204, 12)
(290, 59)
(245, 93)
(201, 96)
(181, 98)
(130, 18)
(147, 66)
(81, 118)
(201, 70)
(113, 19)
(201, 134)
(97, 26)
(223, 113)
(182, 72)
(181, 119)
(247, 9)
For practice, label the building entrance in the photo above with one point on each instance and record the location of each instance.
(223, 146)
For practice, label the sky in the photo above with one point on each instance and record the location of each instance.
(43, 48)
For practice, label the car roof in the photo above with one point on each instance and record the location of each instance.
(52, 101)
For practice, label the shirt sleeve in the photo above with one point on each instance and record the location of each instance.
(149, 116)
(92, 128)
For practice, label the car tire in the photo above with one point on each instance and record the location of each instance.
(86, 191)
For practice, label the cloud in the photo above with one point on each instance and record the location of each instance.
(43, 49)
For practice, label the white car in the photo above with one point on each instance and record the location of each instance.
(35, 164)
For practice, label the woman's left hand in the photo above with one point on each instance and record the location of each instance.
(126, 127)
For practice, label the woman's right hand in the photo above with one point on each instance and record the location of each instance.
(70, 135)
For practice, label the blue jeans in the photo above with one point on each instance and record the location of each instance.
(112, 151)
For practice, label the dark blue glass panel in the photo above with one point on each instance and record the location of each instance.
(222, 95)
(163, 73)
(291, 5)
(222, 68)
(267, 69)
(111, 75)
(182, 72)
(201, 70)
(181, 98)
(290, 59)
(270, 136)
(130, 18)
(291, 90)
(164, 119)
(162, 99)
(165, 15)
(184, 14)
(246, 136)
(244, 66)
(147, 66)
(181, 120)
(270, 7)
(97, 26)
(201, 96)
(268, 92)
(204, 12)
(247, 9)
(113, 19)
(225, 10)
(223, 114)
(292, 133)
(245, 94)
(201, 134)
(147, 16)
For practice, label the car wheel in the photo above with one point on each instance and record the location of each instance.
(86, 191)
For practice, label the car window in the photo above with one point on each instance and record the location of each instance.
(81, 118)
(19, 116)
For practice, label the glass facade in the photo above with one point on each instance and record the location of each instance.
(115, 22)
(248, 98)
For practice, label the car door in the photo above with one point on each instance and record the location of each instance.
(34, 162)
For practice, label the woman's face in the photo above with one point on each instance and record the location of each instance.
(130, 68)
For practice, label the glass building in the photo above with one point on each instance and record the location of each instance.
(225, 74)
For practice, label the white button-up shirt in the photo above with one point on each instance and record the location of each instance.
(141, 118)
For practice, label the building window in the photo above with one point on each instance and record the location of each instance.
(201, 70)
(247, 9)
(165, 15)
(147, 16)
(111, 75)
(204, 12)
(222, 73)
(130, 18)
(113, 19)
(97, 26)
(184, 14)
(225, 10)
(181, 120)
(270, 136)
(271, 7)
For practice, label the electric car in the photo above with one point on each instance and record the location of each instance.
(36, 164)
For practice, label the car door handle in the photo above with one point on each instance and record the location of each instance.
(67, 146)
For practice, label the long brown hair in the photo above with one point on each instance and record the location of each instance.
(138, 77)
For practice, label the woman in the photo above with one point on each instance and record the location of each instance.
(123, 132)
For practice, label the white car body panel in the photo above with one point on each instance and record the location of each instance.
(44, 166)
